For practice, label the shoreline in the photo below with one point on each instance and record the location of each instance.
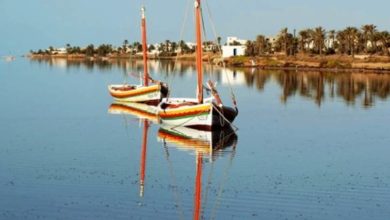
(374, 64)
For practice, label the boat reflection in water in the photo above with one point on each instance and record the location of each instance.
(139, 110)
(146, 114)
(207, 146)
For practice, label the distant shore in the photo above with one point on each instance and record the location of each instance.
(333, 63)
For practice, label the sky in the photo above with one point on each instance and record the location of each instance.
(36, 24)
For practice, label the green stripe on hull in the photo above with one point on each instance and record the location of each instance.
(175, 133)
(187, 116)
(135, 96)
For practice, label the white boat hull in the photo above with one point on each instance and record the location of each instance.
(198, 115)
(138, 94)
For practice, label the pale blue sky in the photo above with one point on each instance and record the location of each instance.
(34, 24)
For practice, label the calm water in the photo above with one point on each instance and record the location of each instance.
(309, 146)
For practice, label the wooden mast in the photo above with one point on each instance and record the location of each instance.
(144, 47)
(199, 51)
(198, 186)
(143, 157)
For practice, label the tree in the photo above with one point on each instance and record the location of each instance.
(304, 39)
(261, 45)
(250, 49)
(385, 42)
(332, 39)
(68, 48)
(284, 42)
(151, 47)
(235, 43)
(218, 46)
(318, 36)
(350, 37)
(369, 30)
(173, 47)
(167, 46)
(90, 50)
(137, 47)
(104, 49)
(183, 47)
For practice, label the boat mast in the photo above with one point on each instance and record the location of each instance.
(143, 158)
(199, 51)
(144, 47)
(198, 186)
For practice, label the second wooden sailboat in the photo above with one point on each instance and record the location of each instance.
(150, 93)
(199, 113)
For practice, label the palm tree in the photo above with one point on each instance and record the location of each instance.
(385, 42)
(304, 39)
(261, 44)
(375, 39)
(68, 48)
(137, 47)
(250, 49)
(90, 50)
(284, 41)
(318, 36)
(173, 47)
(284, 35)
(151, 48)
(351, 38)
(167, 45)
(51, 49)
(125, 43)
(332, 38)
(183, 47)
(368, 36)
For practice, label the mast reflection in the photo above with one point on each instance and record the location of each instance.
(146, 114)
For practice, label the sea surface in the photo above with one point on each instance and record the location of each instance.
(308, 145)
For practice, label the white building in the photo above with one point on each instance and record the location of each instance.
(234, 47)
(61, 50)
(232, 51)
(235, 41)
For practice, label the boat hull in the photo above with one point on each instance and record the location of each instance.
(137, 93)
(206, 116)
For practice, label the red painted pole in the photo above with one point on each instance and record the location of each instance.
(198, 31)
(143, 157)
(198, 187)
(144, 47)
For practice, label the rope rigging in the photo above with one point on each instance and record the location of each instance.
(213, 27)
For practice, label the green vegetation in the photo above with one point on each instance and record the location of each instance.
(165, 49)
(317, 41)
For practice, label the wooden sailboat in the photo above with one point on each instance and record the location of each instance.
(199, 113)
(150, 93)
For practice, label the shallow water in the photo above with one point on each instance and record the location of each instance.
(309, 146)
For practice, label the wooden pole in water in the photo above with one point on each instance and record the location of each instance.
(198, 187)
(144, 47)
(199, 68)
